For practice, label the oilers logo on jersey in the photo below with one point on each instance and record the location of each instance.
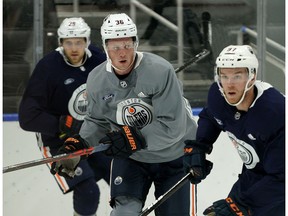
(134, 112)
(77, 105)
(246, 152)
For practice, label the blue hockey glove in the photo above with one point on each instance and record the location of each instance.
(194, 161)
(68, 126)
(124, 142)
(226, 207)
(66, 168)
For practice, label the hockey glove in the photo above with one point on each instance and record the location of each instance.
(194, 161)
(124, 142)
(66, 168)
(226, 207)
(68, 126)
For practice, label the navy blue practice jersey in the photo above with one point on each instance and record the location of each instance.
(259, 138)
(52, 90)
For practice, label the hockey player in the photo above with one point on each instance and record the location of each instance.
(54, 105)
(136, 104)
(253, 115)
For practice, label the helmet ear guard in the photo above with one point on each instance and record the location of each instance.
(74, 28)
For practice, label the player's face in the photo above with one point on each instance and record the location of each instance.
(74, 49)
(121, 52)
(233, 81)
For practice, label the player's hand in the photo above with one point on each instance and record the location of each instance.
(226, 207)
(194, 161)
(68, 126)
(66, 168)
(124, 141)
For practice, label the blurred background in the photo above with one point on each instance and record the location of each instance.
(174, 29)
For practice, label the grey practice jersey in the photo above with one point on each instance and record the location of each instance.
(151, 98)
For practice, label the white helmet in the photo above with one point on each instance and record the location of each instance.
(237, 56)
(118, 26)
(74, 28)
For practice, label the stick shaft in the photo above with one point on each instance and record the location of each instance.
(56, 158)
(195, 59)
(165, 196)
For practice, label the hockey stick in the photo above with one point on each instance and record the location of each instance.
(166, 195)
(182, 181)
(195, 59)
(56, 158)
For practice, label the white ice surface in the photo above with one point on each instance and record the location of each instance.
(33, 191)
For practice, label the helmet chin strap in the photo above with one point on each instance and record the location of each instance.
(243, 95)
(125, 68)
(85, 57)
(87, 54)
(109, 60)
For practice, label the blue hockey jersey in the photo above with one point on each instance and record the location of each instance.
(55, 88)
(259, 137)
